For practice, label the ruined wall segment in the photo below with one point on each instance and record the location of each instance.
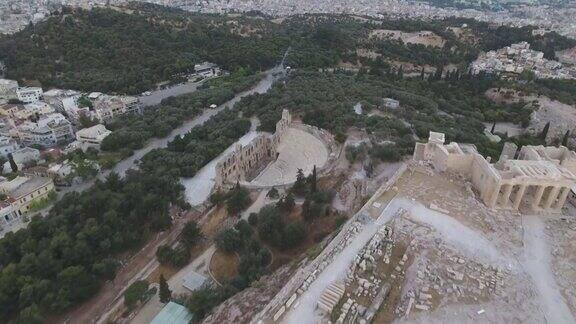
(237, 165)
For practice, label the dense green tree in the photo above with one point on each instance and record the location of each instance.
(313, 180)
(272, 193)
(295, 234)
(299, 186)
(544, 132)
(201, 301)
(30, 315)
(253, 219)
(287, 203)
(190, 234)
(164, 291)
(135, 293)
(229, 240)
(13, 165)
(238, 200)
(565, 138)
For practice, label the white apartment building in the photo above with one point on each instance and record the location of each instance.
(56, 97)
(71, 108)
(26, 190)
(38, 108)
(8, 89)
(50, 130)
(29, 94)
(109, 107)
(92, 135)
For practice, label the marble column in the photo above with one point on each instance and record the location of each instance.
(506, 195)
(519, 195)
(562, 198)
(551, 197)
(494, 198)
(538, 197)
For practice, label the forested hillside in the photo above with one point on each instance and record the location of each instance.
(110, 51)
(131, 49)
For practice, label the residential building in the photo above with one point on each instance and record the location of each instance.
(512, 60)
(391, 103)
(73, 110)
(59, 171)
(8, 89)
(10, 110)
(108, 107)
(23, 157)
(29, 94)
(8, 215)
(92, 135)
(7, 146)
(33, 110)
(56, 97)
(94, 95)
(8, 128)
(26, 190)
(50, 130)
(206, 69)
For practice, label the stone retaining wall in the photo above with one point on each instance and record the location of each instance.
(287, 292)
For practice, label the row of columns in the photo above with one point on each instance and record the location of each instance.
(555, 198)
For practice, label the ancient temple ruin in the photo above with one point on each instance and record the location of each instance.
(537, 178)
(245, 159)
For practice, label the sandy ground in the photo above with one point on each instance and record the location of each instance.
(537, 255)
(567, 56)
(297, 150)
(562, 117)
(505, 128)
(426, 38)
(532, 284)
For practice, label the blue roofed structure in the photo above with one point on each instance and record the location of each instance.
(173, 313)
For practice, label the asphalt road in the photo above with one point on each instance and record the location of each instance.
(131, 162)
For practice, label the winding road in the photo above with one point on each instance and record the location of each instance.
(270, 76)
(97, 309)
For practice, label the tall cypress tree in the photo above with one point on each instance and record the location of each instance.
(313, 180)
(164, 293)
(565, 138)
(544, 132)
(13, 164)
